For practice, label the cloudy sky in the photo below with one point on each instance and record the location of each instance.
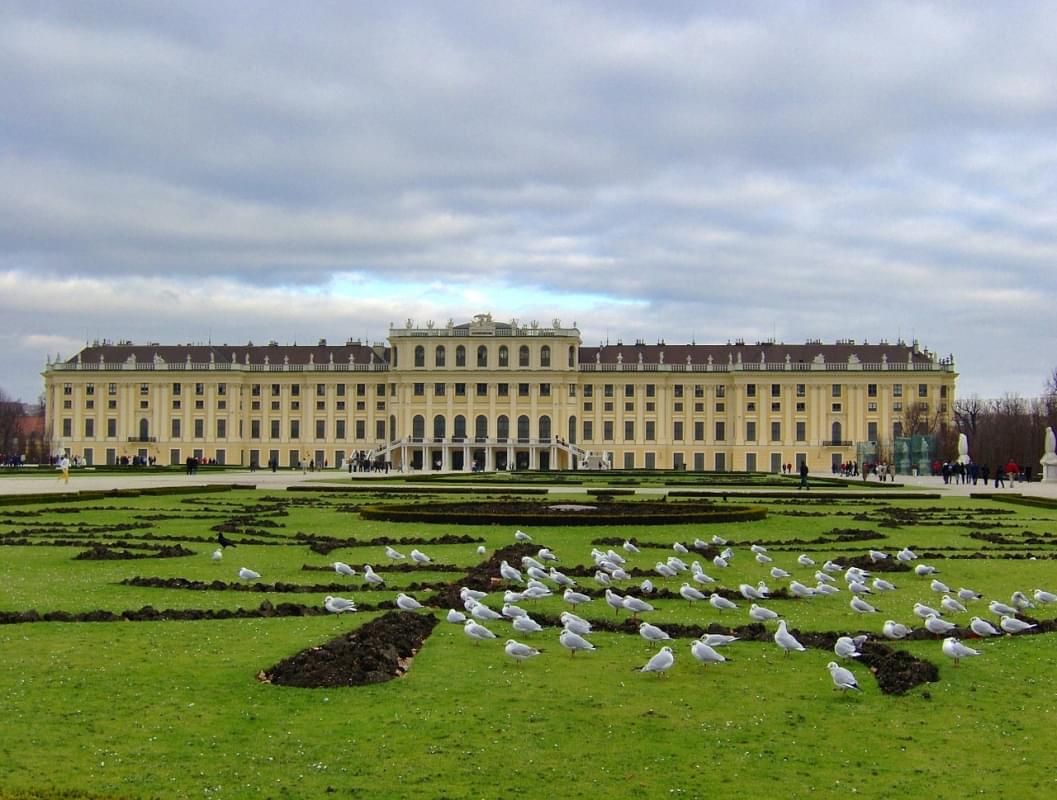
(688, 171)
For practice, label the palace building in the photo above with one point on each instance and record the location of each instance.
(492, 395)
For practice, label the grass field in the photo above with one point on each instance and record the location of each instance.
(174, 708)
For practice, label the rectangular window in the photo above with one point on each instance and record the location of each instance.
(361, 429)
(275, 429)
(379, 429)
(222, 389)
(321, 405)
(503, 389)
(589, 431)
(750, 431)
(589, 390)
(835, 390)
(438, 390)
(776, 431)
(629, 406)
(419, 390)
(175, 427)
(177, 388)
(67, 389)
(545, 390)
(255, 390)
(111, 389)
(750, 390)
(321, 390)
(721, 462)
(897, 406)
(801, 431)
(276, 389)
(460, 390)
(295, 390)
(629, 460)
(340, 389)
(943, 392)
(255, 429)
(339, 429)
(651, 430)
(923, 390)
(361, 389)
(776, 390)
(589, 406)
(379, 389)
(607, 430)
(144, 388)
(699, 430)
(629, 430)
(750, 407)
(871, 431)
(776, 407)
(607, 390)
(482, 390)
(200, 428)
(629, 390)
(572, 390)
(721, 391)
(321, 429)
(871, 406)
(801, 407)
(699, 407)
(897, 430)
(750, 462)
(897, 390)
(295, 429)
(678, 407)
(176, 405)
(200, 404)
(677, 431)
(222, 428)
(89, 428)
(651, 390)
(801, 390)
(67, 427)
(522, 390)
(871, 390)
(607, 406)
(651, 461)
(699, 390)
(721, 431)
(835, 408)
(111, 428)
(677, 390)
(721, 408)
(200, 389)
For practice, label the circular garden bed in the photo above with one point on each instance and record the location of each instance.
(536, 513)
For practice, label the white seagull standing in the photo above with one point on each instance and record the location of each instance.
(895, 630)
(248, 574)
(456, 617)
(573, 642)
(393, 554)
(371, 576)
(784, 639)
(342, 568)
(690, 594)
(948, 603)
(845, 648)
(843, 678)
(406, 602)
(651, 633)
(629, 547)
(510, 573)
(635, 605)
(574, 623)
(519, 652)
(521, 536)
(705, 653)
(952, 648)
(860, 606)
(419, 557)
(575, 598)
(661, 662)
(1042, 596)
(939, 626)
(477, 631)
(218, 554)
(526, 624)
(338, 605)
(1014, 625)
(761, 614)
(982, 627)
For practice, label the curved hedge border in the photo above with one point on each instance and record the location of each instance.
(536, 514)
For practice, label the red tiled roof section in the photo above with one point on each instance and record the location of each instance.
(750, 353)
(201, 354)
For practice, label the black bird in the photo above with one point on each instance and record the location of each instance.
(224, 540)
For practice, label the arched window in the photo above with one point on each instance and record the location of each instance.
(460, 356)
(420, 356)
(523, 428)
(438, 426)
(504, 356)
(522, 356)
(572, 359)
(572, 430)
(480, 427)
(418, 427)
(460, 427)
(502, 430)
(482, 356)
(439, 356)
(545, 356)
(144, 430)
(835, 433)
(545, 427)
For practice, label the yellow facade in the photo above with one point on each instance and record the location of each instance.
(492, 395)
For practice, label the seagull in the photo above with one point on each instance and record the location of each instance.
(407, 603)
(575, 598)
(635, 605)
(481, 611)
(939, 586)
(342, 568)
(664, 570)
(602, 578)
(538, 574)
(419, 557)
(877, 555)
(923, 611)
(757, 548)
(690, 594)
(629, 547)
(1014, 625)
(718, 540)
(476, 631)
(845, 648)
(952, 648)
(1000, 609)
(371, 576)
(521, 536)
(749, 592)
(906, 554)
(1042, 596)
(513, 612)
(546, 555)
(510, 573)
(719, 562)
(510, 597)
(680, 548)
(573, 642)
(982, 627)
(727, 554)
(858, 587)
(661, 662)
(823, 577)
(248, 574)
(895, 630)
(826, 588)
(784, 639)
(800, 590)
(528, 562)
(560, 578)
(218, 554)
(705, 653)
(526, 624)
(519, 652)
(647, 586)
(832, 566)
(861, 606)
(615, 557)
(921, 570)
(614, 601)
(843, 678)
(393, 554)
(466, 592)
(968, 594)
(881, 585)
(761, 614)
(224, 541)
(779, 574)
(720, 603)
(763, 558)
(574, 623)
(718, 639)
(948, 603)
(1021, 601)
(651, 633)
(338, 605)
(481, 550)
(677, 564)
(805, 560)
(700, 544)
(934, 624)
(456, 617)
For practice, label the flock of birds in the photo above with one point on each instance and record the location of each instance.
(537, 575)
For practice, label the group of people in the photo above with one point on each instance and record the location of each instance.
(956, 472)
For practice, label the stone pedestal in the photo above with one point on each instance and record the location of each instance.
(1049, 470)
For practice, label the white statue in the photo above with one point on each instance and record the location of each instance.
(963, 449)
(1051, 443)
(1049, 458)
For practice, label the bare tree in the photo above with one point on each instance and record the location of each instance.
(10, 417)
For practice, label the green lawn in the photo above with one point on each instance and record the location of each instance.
(173, 709)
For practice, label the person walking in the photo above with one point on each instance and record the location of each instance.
(803, 477)
(64, 465)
